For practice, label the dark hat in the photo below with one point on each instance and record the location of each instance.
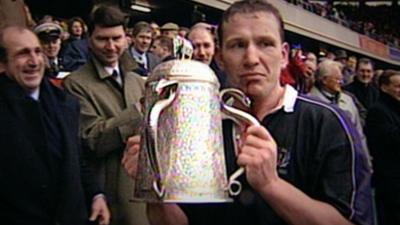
(48, 31)
(340, 54)
(169, 26)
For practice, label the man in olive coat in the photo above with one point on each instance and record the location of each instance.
(109, 94)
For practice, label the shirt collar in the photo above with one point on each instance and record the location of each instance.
(53, 61)
(136, 53)
(110, 70)
(35, 94)
(139, 57)
(289, 99)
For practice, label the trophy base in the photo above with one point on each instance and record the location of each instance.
(151, 197)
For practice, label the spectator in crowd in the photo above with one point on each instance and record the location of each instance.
(312, 58)
(109, 95)
(362, 86)
(383, 133)
(142, 37)
(76, 28)
(128, 34)
(377, 74)
(330, 55)
(183, 31)
(163, 47)
(333, 189)
(49, 35)
(310, 64)
(203, 44)
(328, 88)
(204, 49)
(295, 72)
(170, 30)
(43, 178)
(64, 31)
(155, 29)
(349, 70)
(341, 57)
(47, 19)
(75, 51)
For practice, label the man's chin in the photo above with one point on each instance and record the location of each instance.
(252, 88)
(32, 85)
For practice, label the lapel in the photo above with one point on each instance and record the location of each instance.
(63, 112)
(132, 88)
(66, 111)
(104, 76)
(129, 91)
(26, 112)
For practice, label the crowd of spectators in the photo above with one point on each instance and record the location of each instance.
(377, 22)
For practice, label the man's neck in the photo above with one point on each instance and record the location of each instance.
(328, 91)
(267, 104)
(362, 83)
(137, 50)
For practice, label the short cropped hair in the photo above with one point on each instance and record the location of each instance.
(325, 68)
(3, 49)
(250, 6)
(140, 27)
(106, 16)
(364, 61)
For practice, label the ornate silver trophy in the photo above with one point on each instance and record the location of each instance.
(182, 155)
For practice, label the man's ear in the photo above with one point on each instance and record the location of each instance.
(383, 88)
(285, 55)
(323, 80)
(219, 58)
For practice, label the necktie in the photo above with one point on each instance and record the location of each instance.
(53, 71)
(117, 77)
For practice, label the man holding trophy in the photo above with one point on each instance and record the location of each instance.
(303, 165)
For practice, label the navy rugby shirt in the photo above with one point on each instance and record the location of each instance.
(317, 153)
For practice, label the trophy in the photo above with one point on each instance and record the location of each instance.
(181, 156)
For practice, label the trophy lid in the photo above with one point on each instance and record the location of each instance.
(183, 70)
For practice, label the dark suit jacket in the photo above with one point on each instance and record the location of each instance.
(383, 135)
(152, 61)
(27, 166)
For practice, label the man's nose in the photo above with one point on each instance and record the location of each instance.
(202, 51)
(53, 45)
(251, 56)
(34, 59)
(110, 45)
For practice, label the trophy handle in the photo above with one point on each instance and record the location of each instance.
(167, 91)
(241, 118)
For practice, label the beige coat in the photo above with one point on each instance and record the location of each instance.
(109, 116)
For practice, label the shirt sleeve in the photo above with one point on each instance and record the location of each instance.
(345, 175)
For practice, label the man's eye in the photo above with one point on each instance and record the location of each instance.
(237, 45)
(117, 38)
(264, 44)
(101, 39)
(38, 51)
